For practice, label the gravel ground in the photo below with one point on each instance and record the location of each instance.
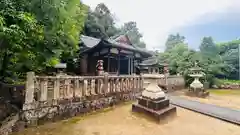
(121, 121)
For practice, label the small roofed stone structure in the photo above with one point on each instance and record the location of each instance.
(60, 68)
(153, 66)
(150, 65)
(153, 100)
(196, 87)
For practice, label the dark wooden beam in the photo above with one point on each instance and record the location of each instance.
(108, 60)
(119, 66)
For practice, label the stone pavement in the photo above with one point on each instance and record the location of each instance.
(223, 113)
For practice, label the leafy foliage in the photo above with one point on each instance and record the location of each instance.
(180, 58)
(131, 30)
(100, 23)
(35, 34)
(174, 40)
(229, 52)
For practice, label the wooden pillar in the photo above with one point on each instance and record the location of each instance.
(128, 65)
(88, 63)
(119, 62)
(132, 65)
(108, 64)
(108, 70)
(133, 68)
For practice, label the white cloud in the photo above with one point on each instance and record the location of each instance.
(155, 18)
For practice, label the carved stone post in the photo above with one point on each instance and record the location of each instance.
(106, 84)
(29, 96)
(68, 87)
(93, 87)
(28, 108)
(44, 89)
(56, 88)
(85, 87)
(166, 74)
(76, 88)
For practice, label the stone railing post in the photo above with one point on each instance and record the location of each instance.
(106, 84)
(56, 88)
(93, 92)
(29, 96)
(67, 84)
(44, 89)
(75, 88)
(85, 87)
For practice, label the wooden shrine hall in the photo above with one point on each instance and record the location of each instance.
(153, 65)
(119, 55)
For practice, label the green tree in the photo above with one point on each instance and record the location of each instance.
(35, 34)
(208, 47)
(230, 55)
(212, 62)
(131, 30)
(174, 40)
(20, 36)
(100, 23)
(63, 21)
(180, 59)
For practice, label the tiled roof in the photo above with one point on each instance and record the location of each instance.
(149, 61)
(89, 41)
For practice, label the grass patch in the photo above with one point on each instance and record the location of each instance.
(224, 92)
(225, 81)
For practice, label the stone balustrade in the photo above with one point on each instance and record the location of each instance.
(47, 97)
(175, 83)
(172, 82)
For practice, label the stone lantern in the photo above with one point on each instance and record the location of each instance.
(153, 100)
(196, 87)
(60, 67)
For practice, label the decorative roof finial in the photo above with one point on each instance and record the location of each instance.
(196, 64)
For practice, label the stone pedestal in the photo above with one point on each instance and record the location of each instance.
(153, 101)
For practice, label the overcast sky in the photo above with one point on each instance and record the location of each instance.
(156, 18)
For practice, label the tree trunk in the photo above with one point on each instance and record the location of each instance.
(5, 61)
